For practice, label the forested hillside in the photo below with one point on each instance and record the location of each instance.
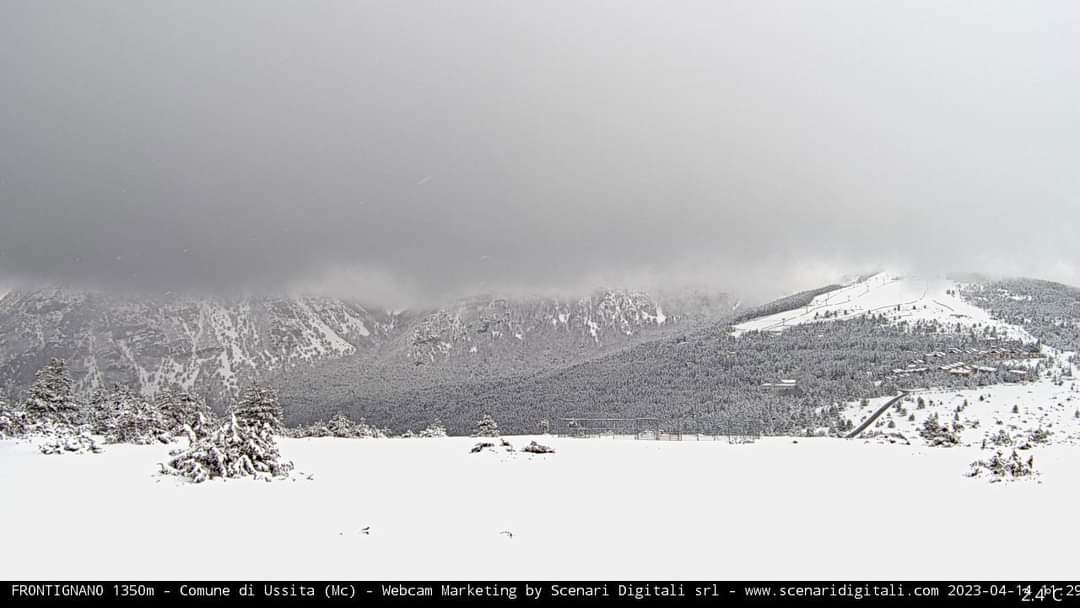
(484, 339)
(797, 300)
(1048, 310)
(708, 380)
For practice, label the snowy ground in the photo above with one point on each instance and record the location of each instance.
(925, 299)
(597, 509)
(983, 413)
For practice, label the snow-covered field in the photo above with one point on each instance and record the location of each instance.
(1015, 409)
(897, 297)
(780, 508)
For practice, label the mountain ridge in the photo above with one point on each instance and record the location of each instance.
(213, 345)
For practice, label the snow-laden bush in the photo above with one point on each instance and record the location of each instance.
(233, 450)
(66, 439)
(317, 429)
(537, 448)
(1001, 438)
(490, 445)
(339, 426)
(486, 427)
(435, 430)
(937, 434)
(481, 446)
(343, 426)
(366, 431)
(1000, 468)
(1039, 435)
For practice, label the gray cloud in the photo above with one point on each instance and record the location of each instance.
(434, 147)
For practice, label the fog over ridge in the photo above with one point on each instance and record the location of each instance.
(411, 152)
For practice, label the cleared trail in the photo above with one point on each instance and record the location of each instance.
(877, 414)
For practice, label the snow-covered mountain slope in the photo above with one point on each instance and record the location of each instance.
(207, 346)
(488, 338)
(484, 326)
(1050, 311)
(211, 346)
(896, 298)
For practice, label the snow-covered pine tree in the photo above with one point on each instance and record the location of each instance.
(200, 426)
(182, 409)
(97, 413)
(486, 427)
(259, 407)
(12, 422)
(436, 429)
(51, 410)
(233, 450)
(50, 399)
(133, 419)
(342, 426)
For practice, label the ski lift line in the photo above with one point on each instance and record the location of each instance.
(782, 322)
(827, 301)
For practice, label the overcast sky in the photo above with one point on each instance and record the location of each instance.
(435, 147)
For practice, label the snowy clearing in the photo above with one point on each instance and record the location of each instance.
(781, 508)
(898, 298)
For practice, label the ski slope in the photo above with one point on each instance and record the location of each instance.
(596, 509)
(898, 298)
